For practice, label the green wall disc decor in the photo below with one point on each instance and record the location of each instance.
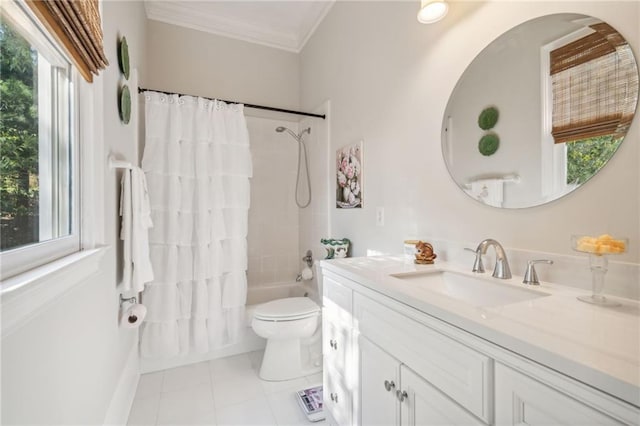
(488, 118)
(488, 144)
(124, 95)
(123, 57)
(124, 104)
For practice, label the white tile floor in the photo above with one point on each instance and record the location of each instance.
(221, 392)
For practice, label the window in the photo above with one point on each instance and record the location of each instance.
(592, 94)
(38, 179)
(590, 83)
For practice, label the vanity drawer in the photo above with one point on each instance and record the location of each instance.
(336, 344)
(460, 372)
(337, 397)
(337, 300)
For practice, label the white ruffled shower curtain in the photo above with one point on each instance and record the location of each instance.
(197, 164)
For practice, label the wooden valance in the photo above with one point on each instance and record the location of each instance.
(76, 25)
(595, 86)
(603, 41)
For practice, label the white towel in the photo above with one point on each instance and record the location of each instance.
(136, 221)
(488, 191)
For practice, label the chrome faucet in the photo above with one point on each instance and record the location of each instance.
(530, 275)
(477, 264)
(501, 270)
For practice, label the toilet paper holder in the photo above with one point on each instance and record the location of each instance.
(306, 273)
(132, 300)
(133, 314)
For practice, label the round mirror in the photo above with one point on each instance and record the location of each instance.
(540, 111)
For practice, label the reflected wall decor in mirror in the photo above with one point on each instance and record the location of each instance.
(565, 87)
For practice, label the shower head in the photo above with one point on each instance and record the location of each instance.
(297, 137)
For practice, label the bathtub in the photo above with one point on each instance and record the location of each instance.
(250, 341)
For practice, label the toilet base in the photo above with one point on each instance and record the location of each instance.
(283, 361)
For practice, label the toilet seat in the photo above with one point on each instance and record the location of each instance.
(288, 309)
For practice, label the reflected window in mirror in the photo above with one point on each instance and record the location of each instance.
(591, 76)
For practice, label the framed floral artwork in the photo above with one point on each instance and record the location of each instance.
(349, 176)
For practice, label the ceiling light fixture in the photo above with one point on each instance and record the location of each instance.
(432, 11)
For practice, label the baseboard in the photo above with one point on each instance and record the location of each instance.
(122, 400)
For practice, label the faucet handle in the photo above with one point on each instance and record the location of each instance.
(477, 264)
(308, 258)
(530, 275)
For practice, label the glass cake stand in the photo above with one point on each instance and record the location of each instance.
(598, 249)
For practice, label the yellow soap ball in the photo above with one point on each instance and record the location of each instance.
(587, 246)
(587, 240)
(617, 249)
(619, 244)
(602, 244)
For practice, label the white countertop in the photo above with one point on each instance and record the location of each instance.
(599, 346)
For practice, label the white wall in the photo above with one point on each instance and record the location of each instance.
(389, 80)
(203, 64)
(63, 365)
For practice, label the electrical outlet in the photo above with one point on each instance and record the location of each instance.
(379, 216)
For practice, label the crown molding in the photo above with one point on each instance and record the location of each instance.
(183, 14)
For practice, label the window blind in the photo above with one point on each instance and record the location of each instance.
(595, 86)
(77, 27)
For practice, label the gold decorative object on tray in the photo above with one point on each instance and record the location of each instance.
(424, 253)
(598, 249)
(604, 244)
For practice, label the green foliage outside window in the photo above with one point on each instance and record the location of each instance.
(586, 157)
(18, 140)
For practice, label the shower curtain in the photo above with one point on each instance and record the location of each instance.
(197, 164)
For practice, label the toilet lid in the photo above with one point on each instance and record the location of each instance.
(288, 308)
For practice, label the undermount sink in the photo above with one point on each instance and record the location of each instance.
(476, 291)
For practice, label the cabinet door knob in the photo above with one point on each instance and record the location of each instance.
(333, 344)
(334, 397)
(401, 395)
(388, 385)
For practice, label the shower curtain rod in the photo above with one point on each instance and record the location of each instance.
(268, 108)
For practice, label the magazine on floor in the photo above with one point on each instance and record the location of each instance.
(310, 401)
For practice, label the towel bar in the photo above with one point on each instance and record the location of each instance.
(117, 164)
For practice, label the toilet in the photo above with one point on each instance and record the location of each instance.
(292, 329)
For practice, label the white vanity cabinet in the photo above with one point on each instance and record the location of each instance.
(378, 381)
(522, 400)
(387, 363)
(422, 404)
(362, 382)
(459, 372)
(393, 394)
